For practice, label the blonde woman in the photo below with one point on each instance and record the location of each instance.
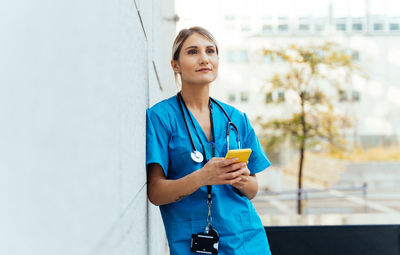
(204, 199)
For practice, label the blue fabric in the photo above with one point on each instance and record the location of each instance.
(234, 217)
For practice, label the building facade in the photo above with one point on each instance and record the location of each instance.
(368, 30)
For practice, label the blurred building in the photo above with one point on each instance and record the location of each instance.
(369, 30)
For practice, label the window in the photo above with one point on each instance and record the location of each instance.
(229, 27)
(342, 96)
(355, 55)
(268, 98)
(355, 96)
(243, 56)
(378, 26)
(281, 97)
(394, 27)
(283, 27)
(267, 59)
(244, 97)
(230, 17)
(304, 27)
(231, 98)
(275, 97)
(357, 27)
(319, 27)
(267, 28)
(231, 56)
(229, 24)
(246, 28)
(237, 56)
(341, 27)
(349, 96)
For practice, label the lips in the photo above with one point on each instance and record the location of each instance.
(204, 70)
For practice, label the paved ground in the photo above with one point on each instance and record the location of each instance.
(332, 206)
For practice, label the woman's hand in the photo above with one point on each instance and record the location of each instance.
(244, 178)
(223, 171)
(229, 171)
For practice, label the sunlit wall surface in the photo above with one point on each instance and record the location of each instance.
(347, 191)
(75, 80)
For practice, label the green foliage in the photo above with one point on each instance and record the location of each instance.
(314, 120)
(311, 70)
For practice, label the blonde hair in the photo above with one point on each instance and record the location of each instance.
(181, 38)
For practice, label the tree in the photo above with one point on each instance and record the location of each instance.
(314, 73)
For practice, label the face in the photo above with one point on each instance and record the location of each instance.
(198, 60)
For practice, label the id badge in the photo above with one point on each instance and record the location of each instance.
(205, 243)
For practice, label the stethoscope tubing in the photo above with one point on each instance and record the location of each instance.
(183, 115)
(228, 128)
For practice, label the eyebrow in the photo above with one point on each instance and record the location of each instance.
(195, 47)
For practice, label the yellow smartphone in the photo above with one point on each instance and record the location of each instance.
(242, 154)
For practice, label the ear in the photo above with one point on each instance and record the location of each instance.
(175, 66)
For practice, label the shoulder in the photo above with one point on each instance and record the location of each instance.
(163, 111)
(237, 117)
(232, 112)
(163, 106)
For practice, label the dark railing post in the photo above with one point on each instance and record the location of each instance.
(305, 201)
(365, 197)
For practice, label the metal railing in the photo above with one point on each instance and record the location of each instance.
(313, 194)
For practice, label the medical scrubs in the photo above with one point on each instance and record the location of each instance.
(233, 215)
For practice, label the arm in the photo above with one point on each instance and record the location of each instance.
(217, 171)
(163, 191)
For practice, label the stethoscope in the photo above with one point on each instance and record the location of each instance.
(196, 155)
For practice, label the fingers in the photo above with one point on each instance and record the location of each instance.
(216, 159)
(231, 164)
(243, 172)
(239, 181)
(233, 181)
(227, 162)
(231, 175)
(246, 171)
(226, 171)
(235, 167)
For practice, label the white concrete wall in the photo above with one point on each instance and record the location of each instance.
(75, 78)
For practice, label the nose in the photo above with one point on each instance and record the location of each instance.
(203, 58)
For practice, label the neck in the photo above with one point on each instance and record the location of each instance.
(196, 97)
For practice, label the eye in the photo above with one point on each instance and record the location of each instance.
(192, 51)
(211, 51)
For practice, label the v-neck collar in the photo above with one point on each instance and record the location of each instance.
(197, 125)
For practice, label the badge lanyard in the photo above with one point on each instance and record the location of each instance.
(195, 153)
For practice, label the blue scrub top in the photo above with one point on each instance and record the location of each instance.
(234, 217)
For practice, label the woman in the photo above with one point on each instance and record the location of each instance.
(186, 146)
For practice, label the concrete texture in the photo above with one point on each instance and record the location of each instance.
(74, 86)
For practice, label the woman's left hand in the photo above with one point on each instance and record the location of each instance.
(244, 178)
(248, 183)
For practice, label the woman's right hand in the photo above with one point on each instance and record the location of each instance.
(222, 171)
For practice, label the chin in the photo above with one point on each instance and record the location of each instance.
(201, 81)
(204, 82)
(207, 79)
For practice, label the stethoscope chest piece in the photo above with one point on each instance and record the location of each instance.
(197, 156)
